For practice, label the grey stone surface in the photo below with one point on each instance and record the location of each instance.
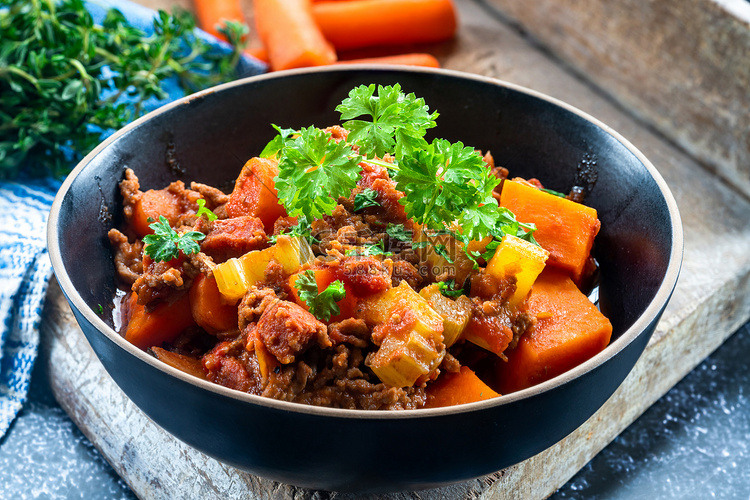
(693, 443)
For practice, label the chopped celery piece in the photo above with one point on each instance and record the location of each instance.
(444, 256)
(235, 276)
(410, 334)
(455, 313)
(519, 258)
(400, 362)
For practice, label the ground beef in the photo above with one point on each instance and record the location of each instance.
(336, 379)
(351, 331)
(130, 189)
(405, 271)
(128, 263)
(159, 281)
(344, 227)
(287, 330)
(253, 304)
(215, 198)
(229, 364)
(234, 237)
(284, 224)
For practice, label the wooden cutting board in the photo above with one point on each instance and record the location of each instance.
(711, 301)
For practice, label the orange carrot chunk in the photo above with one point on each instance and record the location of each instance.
(565, 228)
(366, 23)
(569, 330)
(457, 388)
(207, 307)
(163, 324)
(255, 194)
(290, 34)
(414, 59)
(211, 14)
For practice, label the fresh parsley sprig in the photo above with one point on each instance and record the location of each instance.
(444, 183)
(165, 243)
(368, 197)
(322, 305)
(398, 121)
(398, 232)
(314, 171)
(301, 229)
(365, 250)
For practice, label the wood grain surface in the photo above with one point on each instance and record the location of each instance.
(711, 301)
(681, 65)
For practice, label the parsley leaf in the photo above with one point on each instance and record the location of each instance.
(508, 224)
(302, 228)
(274, 147)
(398, 232)
(377, 249)
(448, 288)
(398, 123)
(165, 243)
(314, 171)
(321, 305)
(202, 210)
(441, 250)
(553, 192)
(442, 182)
(366, 198)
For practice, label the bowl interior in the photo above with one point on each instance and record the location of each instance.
(207, 138)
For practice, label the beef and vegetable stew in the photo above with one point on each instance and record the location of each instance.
(361, 266)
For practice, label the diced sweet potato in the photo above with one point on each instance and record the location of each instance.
(208, 309)
(458, 388)
(255, 193)
(163, 324)
(565, 228)
(569, 330)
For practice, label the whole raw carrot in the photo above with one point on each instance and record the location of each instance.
(413, 59)
(211, 14)
(365, 23)
(290, 35)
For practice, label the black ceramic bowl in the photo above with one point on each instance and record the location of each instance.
(207, 137)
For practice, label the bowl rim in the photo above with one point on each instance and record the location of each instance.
(652, 311)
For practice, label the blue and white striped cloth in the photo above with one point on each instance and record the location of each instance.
(25, 268)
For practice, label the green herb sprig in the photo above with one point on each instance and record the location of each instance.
(447, 186)
(322, 305)
(165, 243)
(398, 121)
(57, 66)
(203, 211)
(314, 171)
(368, 197)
